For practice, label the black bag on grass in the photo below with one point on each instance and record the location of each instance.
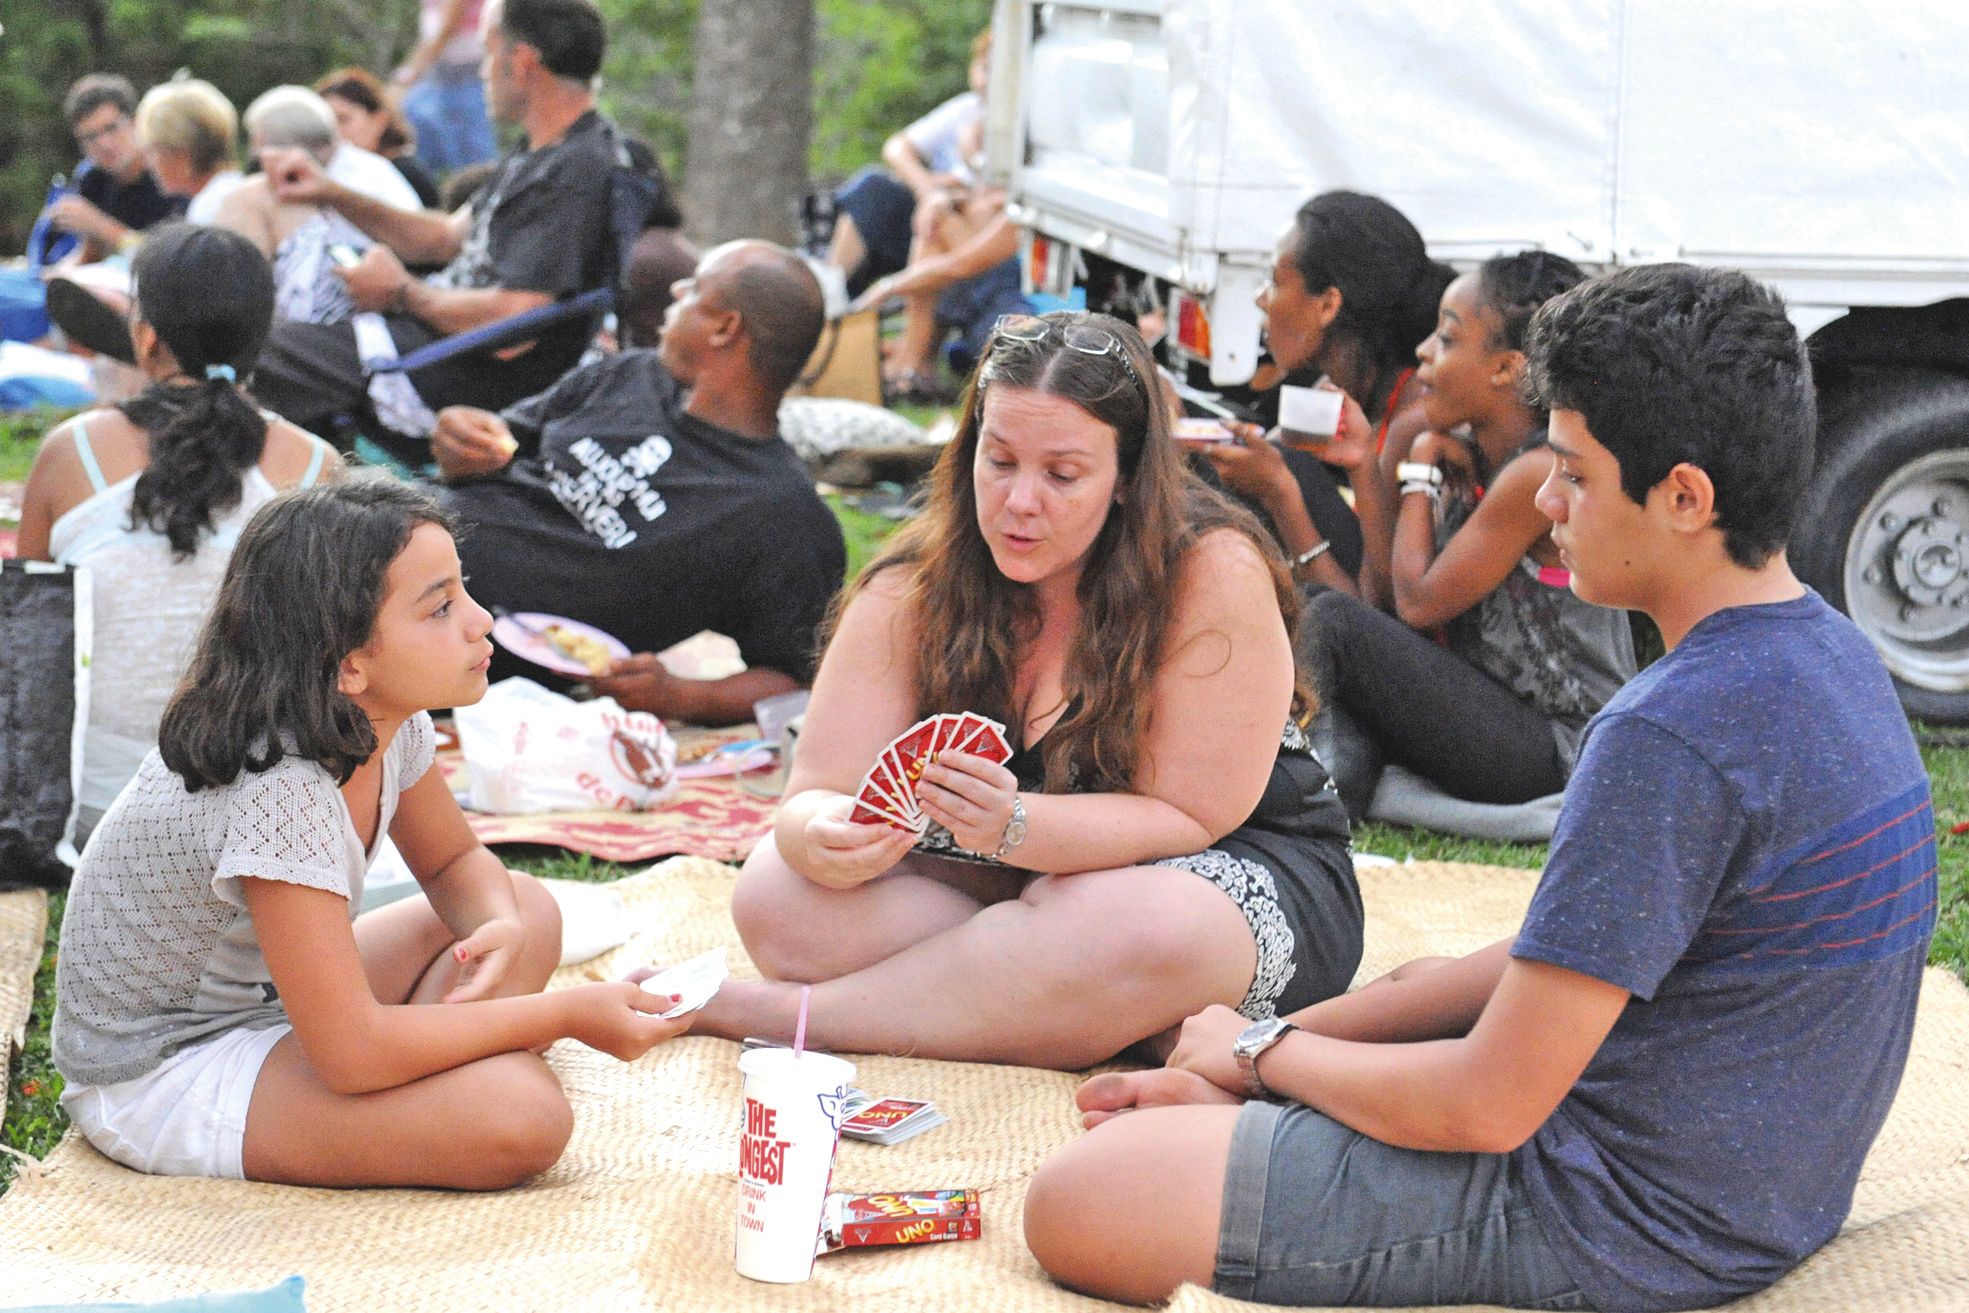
(44, 702)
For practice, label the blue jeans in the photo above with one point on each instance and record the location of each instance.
(447, 107)
(1318, 1214)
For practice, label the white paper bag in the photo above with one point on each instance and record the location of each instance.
(528, 749)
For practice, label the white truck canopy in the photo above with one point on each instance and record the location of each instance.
(1819, 145)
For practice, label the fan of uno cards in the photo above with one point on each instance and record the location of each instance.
(887, 795)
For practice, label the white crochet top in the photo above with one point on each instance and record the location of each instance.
(148, 608)
(157, 947)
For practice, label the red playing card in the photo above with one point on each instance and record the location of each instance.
(872, 808)
(898, 798)
(947, 727)
(966, 729)
(909, 754)
(989, 743)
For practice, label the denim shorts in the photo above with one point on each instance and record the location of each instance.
(1318, 1214)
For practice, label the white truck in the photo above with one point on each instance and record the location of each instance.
(1819, 145)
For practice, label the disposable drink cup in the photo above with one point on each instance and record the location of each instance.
(794, 1104)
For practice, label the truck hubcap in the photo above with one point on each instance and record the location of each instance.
(1907, 571)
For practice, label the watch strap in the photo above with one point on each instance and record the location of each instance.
(1415, 471)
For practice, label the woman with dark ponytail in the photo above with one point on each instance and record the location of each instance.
(1352, 291)
(152, 494)
(1493, 713)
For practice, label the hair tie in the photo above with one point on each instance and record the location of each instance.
(226, 372)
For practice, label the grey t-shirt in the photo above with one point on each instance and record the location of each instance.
(157, 947)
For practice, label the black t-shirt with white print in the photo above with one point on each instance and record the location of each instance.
(626, 513)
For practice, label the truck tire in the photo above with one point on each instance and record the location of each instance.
(1884, 531)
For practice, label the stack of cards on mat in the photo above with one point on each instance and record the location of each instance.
(887, 794)
(888, 1121)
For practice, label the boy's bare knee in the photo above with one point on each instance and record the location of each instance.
(1063, 1209)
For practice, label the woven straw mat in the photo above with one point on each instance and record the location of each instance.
(638, 1214)
(23, 925)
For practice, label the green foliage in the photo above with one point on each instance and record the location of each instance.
(878, 65)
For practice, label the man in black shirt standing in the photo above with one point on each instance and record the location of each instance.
(650, 495)
(537, 232)
(114, 196)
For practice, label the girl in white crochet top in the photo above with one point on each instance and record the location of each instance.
(220, 1013)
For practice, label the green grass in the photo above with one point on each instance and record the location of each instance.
(20, 436)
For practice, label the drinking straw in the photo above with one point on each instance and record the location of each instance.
(800, 1027)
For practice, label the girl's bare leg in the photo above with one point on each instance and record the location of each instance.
(1070, 973)
(483, 1126)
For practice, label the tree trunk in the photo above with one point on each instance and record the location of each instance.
(745, 167)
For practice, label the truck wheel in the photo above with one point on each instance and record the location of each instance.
(1884, 533)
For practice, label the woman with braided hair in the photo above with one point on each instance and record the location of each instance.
(1493, 714)
(151, 495)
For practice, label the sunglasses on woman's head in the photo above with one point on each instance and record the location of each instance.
(1087, 339)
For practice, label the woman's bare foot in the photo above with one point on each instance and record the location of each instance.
(769, 1009)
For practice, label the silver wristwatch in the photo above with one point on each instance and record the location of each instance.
(1015, 829)
(1256, 1038)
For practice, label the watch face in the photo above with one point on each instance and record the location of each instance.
(1261, 1033)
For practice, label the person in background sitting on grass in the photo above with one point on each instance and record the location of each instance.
(1162, 837)
(649, 494)
(1659, 1094)
(369, 117)
(1352, 290)
(219, 1013)
(113, 197)
(151, 495)
(1494, 714)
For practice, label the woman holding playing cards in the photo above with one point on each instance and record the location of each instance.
(1161, 837)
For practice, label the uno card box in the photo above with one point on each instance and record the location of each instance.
(900, 1217)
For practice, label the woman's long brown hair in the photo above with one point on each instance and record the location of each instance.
(973, 621)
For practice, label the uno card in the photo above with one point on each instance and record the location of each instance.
(901, 799)
(990, 743)
(882, 1116)
(909, 754)
(874, 806)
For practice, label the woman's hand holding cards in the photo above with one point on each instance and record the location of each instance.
(842, 853)
(970, 796)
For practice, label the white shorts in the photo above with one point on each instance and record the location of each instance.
(187, 1117)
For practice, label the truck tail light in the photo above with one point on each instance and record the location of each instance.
(1192, 325)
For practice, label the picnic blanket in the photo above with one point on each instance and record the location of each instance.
(710, 817)
(23, 926)
(638, 1214)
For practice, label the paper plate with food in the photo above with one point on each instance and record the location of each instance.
(564, 646)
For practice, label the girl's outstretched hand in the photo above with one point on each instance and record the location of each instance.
(484, 957)
(622, 1019)
(841, 854)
